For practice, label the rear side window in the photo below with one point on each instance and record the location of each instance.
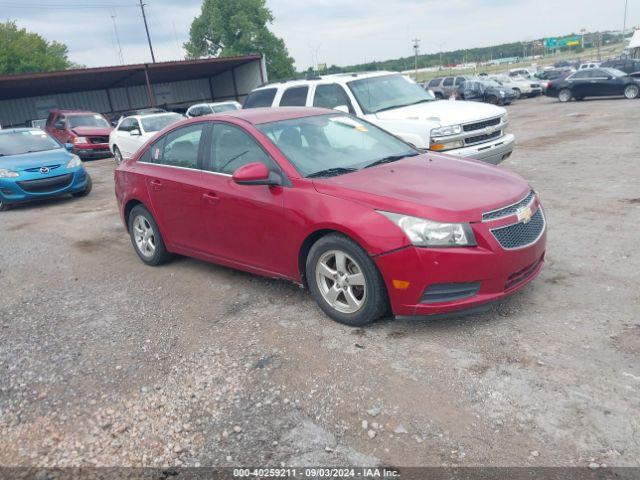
(294, 97)
(260, 98)
(459, 80)
(179, 148)
(435, 82)
(448, 82)
(331, 96)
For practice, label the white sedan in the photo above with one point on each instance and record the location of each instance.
(522, 87)
(133, 132)
(201, 109)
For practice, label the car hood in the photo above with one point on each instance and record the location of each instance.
(447, 112)
(59, 156)
(435, 186)
(92, 131)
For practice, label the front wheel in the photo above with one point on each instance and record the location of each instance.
(564, 95)
(517, 93)
(117, 155)
(345, 282)
(87, 189)
(493, 100)
(631, 91)
(146, 238)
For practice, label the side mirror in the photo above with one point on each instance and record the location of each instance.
(68, 146)
(256, 174)
(59, 125)
(341, 108)
(135, 132)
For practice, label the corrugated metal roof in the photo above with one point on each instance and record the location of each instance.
(66, 81)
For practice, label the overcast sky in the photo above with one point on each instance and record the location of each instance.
(337, 31)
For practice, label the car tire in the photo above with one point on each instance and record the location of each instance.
(493, 100)
(87, 189)
(146, 238)
(4, 206)
(517, 93)
(439, 96)
(564, 95)
(117, 155)
(631, 92)
(333, 265)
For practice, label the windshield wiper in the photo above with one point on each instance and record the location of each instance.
(390, 158)
(330, 172)
(405, 105)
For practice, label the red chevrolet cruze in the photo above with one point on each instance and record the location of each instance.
(365, 221)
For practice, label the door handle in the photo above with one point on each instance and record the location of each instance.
(211, 197)
(156, 184)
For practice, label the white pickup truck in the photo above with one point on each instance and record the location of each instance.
(400, 106)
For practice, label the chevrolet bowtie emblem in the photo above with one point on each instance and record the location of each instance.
(524, 215)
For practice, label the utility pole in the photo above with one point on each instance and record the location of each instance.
(146, 27)
(624, 21)
(416, 46)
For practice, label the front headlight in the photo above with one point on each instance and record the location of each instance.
(80, 140)
(74, 162)
(4, 173)
(427, 233)
(446, 131)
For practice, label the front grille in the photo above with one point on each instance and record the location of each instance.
(522, 275)
(470, 127)
(95, 140)
(509, 210)
(49, 184)
(37, 169)
(520, 234)
(482, 138)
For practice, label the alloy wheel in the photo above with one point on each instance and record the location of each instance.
(564, 95)
(117, 155)
(631, 92)
(144, 236)
(341, 281)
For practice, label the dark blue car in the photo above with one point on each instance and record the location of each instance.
(35, 166)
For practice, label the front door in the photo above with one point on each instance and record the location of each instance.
(244, 222)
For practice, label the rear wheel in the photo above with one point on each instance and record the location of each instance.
(439, 96)
(564, 95)
(631, 91)
(345, 282)
(146, 238)
(117, 155)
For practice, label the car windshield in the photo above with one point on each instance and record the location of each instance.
(386, 92)
(224, 108)
(25, 141)
(88, 120)
(155, 124)
(615, 72)
(326, 145)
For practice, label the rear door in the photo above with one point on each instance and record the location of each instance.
(177, 186)
(448, 87)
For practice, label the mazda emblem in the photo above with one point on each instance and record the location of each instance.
(44, 169)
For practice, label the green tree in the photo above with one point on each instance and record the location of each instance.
(26, 52)
(227, 28)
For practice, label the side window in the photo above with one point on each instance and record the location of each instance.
(580, 75)
(125, 126)
(260, 98)
(459, 80)
(331, 96)
(180, 147)
(447, 82)
(232, 147)
(435, 82)
(135, 125)
(294, 97)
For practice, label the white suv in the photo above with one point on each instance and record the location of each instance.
(400, 106)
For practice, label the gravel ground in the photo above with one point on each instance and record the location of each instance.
(104, 361)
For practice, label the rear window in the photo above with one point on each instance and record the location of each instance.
(294, 97)
(260, 98)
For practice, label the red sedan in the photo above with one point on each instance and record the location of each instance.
(369, 224)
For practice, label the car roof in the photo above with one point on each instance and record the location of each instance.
(151, 115)
(21, 129)
(335, 78)
(257, 116)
